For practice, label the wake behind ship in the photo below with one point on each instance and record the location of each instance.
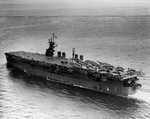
(74, 71)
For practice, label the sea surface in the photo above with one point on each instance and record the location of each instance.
(117, 40)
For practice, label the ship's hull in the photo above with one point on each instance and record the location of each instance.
(111, 87)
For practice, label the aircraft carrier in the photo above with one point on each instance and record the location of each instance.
(76, 71)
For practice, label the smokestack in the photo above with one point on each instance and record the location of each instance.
(81, 57)
(63, 54)
(59, 54)
(76, 56)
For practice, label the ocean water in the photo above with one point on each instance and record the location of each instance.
(117, 40)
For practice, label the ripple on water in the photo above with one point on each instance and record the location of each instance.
(24, 97)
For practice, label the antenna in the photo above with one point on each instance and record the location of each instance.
(53, 37)
(52, 45)
(73, 53)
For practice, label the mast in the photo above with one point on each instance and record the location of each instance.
(50, 51)
(73, 53)
(53, 37)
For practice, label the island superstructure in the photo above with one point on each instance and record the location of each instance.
(75, 71)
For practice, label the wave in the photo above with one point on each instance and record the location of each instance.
(141, 95)
(13, 27)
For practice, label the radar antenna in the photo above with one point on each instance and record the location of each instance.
(50, 51)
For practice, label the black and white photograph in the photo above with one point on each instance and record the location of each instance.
(74, 59)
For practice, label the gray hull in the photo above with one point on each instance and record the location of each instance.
(111, 87)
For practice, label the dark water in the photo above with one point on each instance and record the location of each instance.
(123, 41)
